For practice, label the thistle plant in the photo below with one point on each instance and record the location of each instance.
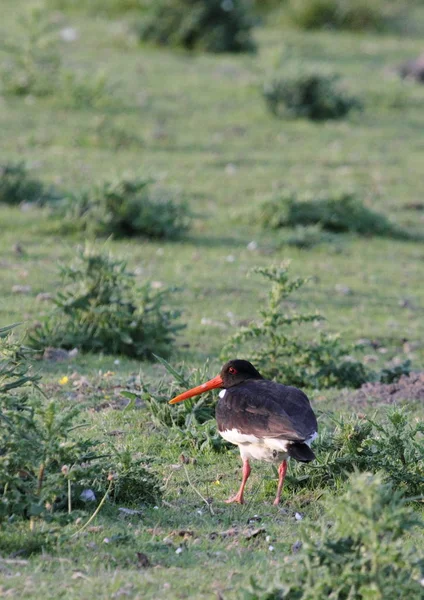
(35, 438)
(31, 61)
(392, 446)
(274, 344)
(46, 465)
(100, 308)
(364, 553)
(126, 207)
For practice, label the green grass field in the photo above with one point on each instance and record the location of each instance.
(199, 124)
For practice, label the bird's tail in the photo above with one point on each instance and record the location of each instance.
(300, 452)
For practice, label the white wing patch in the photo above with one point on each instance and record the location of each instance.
(235, 437)
(267, 449)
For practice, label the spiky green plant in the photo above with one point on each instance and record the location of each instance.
(363, 553)
(334, 212)
(274, 345)
(126, 207)
(310, 94)
(31, 59)
(210, 25)
(100, 308)
(392, 446)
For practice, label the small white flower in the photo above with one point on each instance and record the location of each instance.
(178, 550)
(252, 245)
(230, 258)
(271, 548)
(298, 516)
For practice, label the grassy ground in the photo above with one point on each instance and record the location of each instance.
(200, 125)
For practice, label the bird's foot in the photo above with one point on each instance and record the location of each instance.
(238, 499)
(276, 501)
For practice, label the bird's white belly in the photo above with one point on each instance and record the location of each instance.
(252, 447)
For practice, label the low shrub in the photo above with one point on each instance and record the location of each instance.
(100, 308)
(45, 466)
(274, 346)
(32, 60)
(209, 25)
(134, 483)
(364, 553)
(308, 94)
(337, 213)
(393, 373)
(35, 440)
(127, 207)
(354, 15)
(393, 447)
(17, 185)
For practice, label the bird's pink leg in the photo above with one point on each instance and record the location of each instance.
(282, 470)
(239, 496)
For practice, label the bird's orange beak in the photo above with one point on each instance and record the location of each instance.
(216, 382)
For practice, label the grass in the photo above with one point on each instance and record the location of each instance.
(206, 132)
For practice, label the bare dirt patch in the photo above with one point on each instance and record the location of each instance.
(409, 387)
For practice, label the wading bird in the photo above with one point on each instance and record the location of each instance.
(267, 420)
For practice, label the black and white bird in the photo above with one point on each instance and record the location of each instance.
(268, 421)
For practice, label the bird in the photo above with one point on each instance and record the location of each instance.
(267, 420)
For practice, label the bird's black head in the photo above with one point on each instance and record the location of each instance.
(232, 373)
(236, 371)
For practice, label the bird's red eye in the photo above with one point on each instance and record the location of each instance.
(232, 370)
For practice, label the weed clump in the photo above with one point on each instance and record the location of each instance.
(189, 423)
(44, 467)
(393, 373)
(32, 61)
(309, 95)
(134, 483)
(363, 553)
(100, 308)
(275, 347)
(198, 410)
(354, 15)
(127, 207)
(81, 90)
(393, 448)
(35, 440)
(16, 185)
(208, 25)
(336, 213)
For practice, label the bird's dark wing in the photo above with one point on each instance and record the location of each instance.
(267, 409)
